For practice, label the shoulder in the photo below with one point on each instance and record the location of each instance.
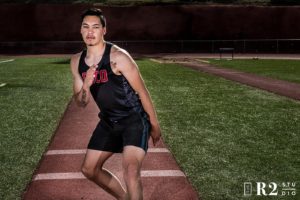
(121, 59)
(75, 61)
(119, 54)
(76, 57)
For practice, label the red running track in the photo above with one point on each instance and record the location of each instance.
(58, 176)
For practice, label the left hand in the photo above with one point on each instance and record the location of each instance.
(155, 134)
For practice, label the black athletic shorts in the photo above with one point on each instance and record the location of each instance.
(112, 136)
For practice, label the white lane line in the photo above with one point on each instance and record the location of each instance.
(161, 173)
(69, 151)
(4, 61)
(79, 175)
(158, 150)
(83, 151)
(59, 176)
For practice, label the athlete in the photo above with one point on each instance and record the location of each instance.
(106, 73)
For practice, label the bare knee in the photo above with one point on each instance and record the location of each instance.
(132, 172)
(88, 172)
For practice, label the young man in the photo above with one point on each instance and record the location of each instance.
(108, 74)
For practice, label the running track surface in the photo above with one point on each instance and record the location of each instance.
(58, 176)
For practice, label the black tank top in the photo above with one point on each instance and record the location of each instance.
(113, 94)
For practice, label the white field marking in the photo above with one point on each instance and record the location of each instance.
(2, 84)
(158, 150)
(79, 175)
(4, 61)
(59, 176)
(204, 61)
(66, 152)
(155, 60)
(161, 173)
(83, 151)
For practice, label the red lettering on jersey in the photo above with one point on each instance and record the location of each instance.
(103, 75)
(96, 77)
(99, 76)
(83, 75)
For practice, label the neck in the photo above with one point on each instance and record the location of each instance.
(97, 50)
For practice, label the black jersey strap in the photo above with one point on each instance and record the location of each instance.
(105, 58)
(107, 48)
(82, 57)
(106, 55)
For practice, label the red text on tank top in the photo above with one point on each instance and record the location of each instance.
(99, 76)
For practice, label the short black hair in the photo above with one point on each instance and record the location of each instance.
(94, 12)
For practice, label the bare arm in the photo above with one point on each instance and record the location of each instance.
(126, 66)
(81, 89)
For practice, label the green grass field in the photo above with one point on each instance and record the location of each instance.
(32, 102)
(288, 70)
(221, 133)
(224, 134)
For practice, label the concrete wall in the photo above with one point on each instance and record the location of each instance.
(61, 22)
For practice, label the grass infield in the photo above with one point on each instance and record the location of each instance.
(288, 70)
(32, 102)
(221, 133)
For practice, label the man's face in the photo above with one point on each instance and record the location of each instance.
(92, 30)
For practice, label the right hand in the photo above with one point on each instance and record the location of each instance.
(90, 76)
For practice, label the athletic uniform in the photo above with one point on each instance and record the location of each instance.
(123, 119)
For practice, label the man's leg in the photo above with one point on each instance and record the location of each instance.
(92, 168)
(132, 163)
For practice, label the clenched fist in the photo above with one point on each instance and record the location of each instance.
(90, 76)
